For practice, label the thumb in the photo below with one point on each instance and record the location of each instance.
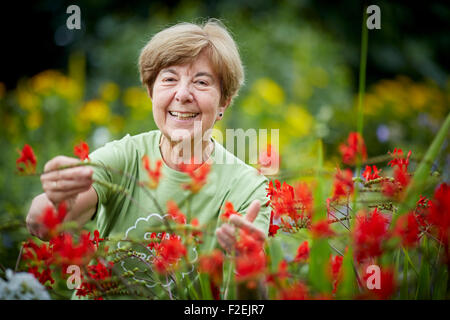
(252, 211)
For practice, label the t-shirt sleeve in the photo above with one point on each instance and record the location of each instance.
(109, 161)
(250, 188)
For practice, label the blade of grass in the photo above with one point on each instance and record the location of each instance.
(361, 95)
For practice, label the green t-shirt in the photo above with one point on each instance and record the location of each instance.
(120, 216)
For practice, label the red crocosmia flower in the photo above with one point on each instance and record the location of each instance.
(250, 257)
(335, 268)
(281, 274)
(228, 211)
(155, 240)
(34, 252)
(368, 175)
(271, 190)
(153, 174)
(264, 158)
(212, 264)
(343, 184)
(96, 240)
(175, 213)
(273, 228)
(39, 258)
(304, 196)
(370, 230)
(292, 204)
(198, 174)
(43, 276)
(321, 229)
(297, 291)
(82, 151)
(407, 228)
(401, 176)
(67, 252)
(439, 215)
(398, 159)
(99, 273)
(169, 252)
(268, 158)
(52, 219)
(421, 211)
(197, 234)
(27, 159)
(302, 252)
(354, 148)
(394, 188)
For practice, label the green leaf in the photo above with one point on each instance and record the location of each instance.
(348, 287)
(275, 252)
(204, 286)
(319, 199)
(404, 287)
(319, 258)
(423, 285)
(440, 285)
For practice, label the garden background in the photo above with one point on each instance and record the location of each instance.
(302, 58)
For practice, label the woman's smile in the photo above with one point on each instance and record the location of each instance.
(184, 117)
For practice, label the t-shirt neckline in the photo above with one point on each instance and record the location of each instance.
(179, 175)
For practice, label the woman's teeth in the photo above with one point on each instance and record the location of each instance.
(183, 115)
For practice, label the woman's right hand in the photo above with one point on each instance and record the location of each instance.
(65, 184)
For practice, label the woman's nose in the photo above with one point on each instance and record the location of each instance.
(183, 93)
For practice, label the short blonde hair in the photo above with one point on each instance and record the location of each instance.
(183, 43)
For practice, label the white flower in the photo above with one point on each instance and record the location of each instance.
(22, 286)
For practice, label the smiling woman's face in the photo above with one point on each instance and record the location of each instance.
(184, 95)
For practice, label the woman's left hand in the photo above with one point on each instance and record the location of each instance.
(226, 233)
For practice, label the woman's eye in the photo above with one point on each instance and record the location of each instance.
(169, 80)
(201, 82)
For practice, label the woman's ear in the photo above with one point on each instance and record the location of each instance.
(223, 108)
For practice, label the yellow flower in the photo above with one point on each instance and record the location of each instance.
(68, 88)
(27, 100)
(136, 97)
(44, 82)
(95, 111)
(109, 91)
(401, 95)
(299, 121)
(34, 120)
(269, 90)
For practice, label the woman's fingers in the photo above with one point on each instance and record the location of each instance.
(63, 184)
(58, 197)
(253, 210)
(248, 226)
(226, 236)
(68, 174)
(60, 161)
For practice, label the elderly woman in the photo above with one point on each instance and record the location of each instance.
(191, 73)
